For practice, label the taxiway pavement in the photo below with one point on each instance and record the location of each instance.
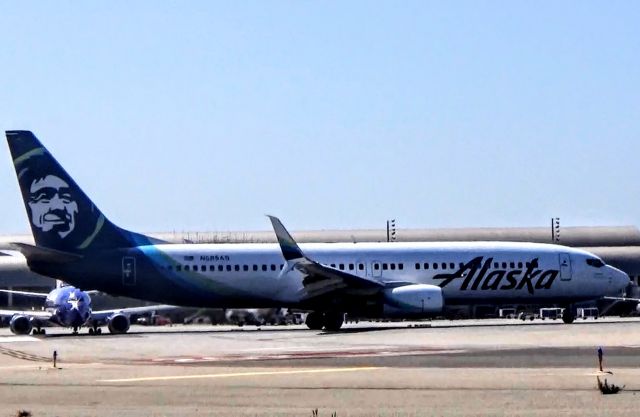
(450, 368)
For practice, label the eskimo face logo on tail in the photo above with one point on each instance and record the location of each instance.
(475, 276)
(52, 205)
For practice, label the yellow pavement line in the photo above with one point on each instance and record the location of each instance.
(237, 374)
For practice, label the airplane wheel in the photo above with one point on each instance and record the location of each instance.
(91, 332)
(333, 321)
(43, 331)
(315, 320)
(568, 317)
(98, 331)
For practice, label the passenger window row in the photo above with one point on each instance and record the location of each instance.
(274, 267)
(228, 268)
(452, 265)
(348, 267)
(386, 266)
(343, 267)
(437, 265)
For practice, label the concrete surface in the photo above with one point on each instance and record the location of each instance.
(492, 368)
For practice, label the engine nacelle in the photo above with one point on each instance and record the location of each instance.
(118, 323)
(417, 300)
(20, 324)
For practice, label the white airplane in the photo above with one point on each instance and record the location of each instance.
(77, 243)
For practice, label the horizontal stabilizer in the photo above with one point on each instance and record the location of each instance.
(42, 254)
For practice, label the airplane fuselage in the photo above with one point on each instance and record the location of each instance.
(69, 307)
(256, 275)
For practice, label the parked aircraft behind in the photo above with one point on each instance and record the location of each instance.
(70, 307)
(76, 242)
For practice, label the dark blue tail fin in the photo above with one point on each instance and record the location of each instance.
(61, 215)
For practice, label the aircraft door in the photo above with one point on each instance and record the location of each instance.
(565, 267)
(376, 269)
(128, 271)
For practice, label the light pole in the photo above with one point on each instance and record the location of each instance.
(555, 230)
(391, 230)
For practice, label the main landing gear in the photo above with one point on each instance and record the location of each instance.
(329, 320)
(39, 330)
(95, 330)
(568, 315)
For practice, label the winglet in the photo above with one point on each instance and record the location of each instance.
(289, 247)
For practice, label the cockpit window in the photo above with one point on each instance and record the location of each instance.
(595, 262)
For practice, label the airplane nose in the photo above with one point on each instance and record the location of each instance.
(625, 280)
(619, 280)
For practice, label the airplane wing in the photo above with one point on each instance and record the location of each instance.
(320, 280)
(41, 294)
(101, 316)
(36, 314)
(26, 293)
(9, 252)
(637, 300)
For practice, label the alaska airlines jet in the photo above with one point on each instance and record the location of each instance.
(75, 242)
(70, 307)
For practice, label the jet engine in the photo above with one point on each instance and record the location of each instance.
(118, 323)
(20, 324)
(417, 300)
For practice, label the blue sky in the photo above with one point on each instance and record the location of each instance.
(207, 115)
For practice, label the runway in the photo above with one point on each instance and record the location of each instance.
(491, 367)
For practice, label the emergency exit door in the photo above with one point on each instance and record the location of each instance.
(128, 271)
(376, 269)
(565, 267)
